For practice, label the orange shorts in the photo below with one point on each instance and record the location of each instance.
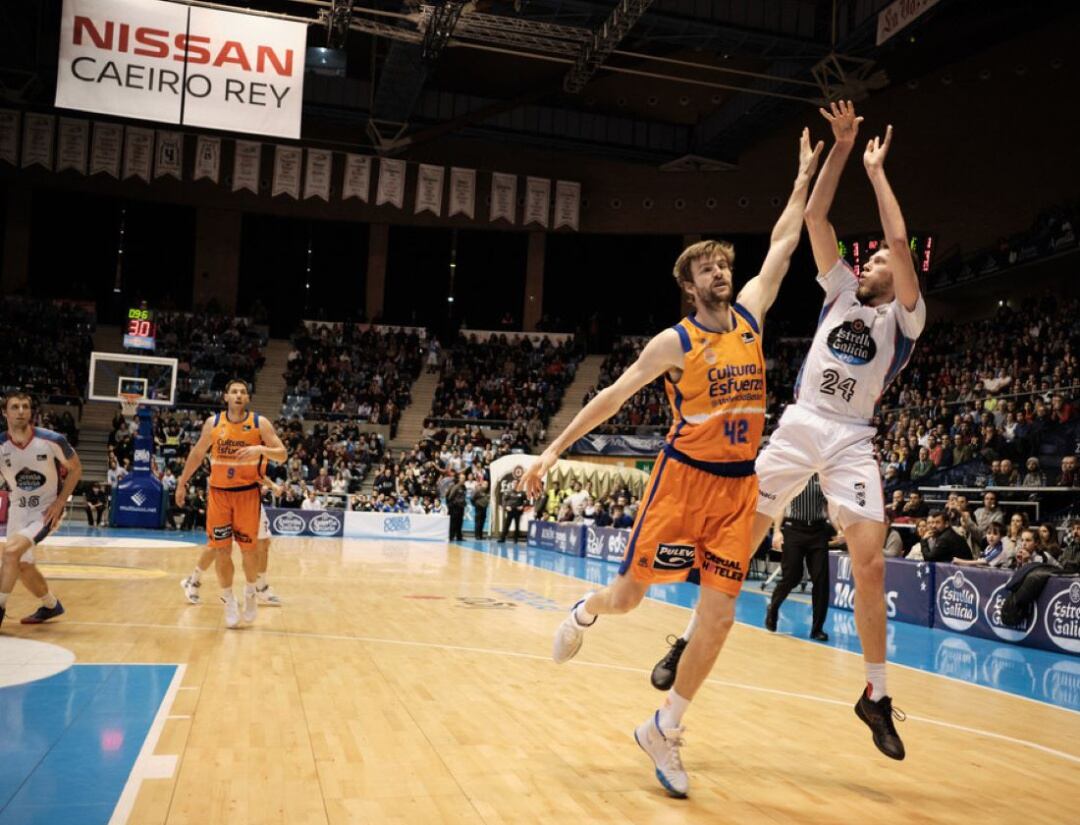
(233, 514)
(693, 519)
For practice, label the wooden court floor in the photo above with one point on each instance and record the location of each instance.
(411, 683)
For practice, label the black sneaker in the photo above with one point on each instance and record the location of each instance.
(879, 716)
(43, 614)
(771, 618)
(663, 675)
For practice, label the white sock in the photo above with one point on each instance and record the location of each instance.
(49, 600)
(690, 627)
(582, 616)
(260, 581)
(228, 596)
(875, 677)
(3, 599)
(671, 712)
(196, 575)
(249, 589)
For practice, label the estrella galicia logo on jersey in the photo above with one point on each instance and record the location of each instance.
(958, 602)
(674, 557)
(852, 343)
(29, 480)
(1062, 618)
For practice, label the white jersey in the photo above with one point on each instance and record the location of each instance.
(857, 350)
(32, 470)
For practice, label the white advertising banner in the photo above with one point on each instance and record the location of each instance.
(38, 140)
(287, 171)
(414, 526)
(72, 142)
(503, 196)
(537, 200)
(105, 148)
(138, 152)
(567, 204)
(462, 192)
(180, 64)
(320, 163)
(429, 186)
(246, 162)
(357, 182)
(169, 155)
(208, 158)
(9, 136)
(391, 182)
(896, 16)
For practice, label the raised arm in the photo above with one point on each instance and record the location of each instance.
(905, 279)
(845, 127)
(760, 292)
(662, 353)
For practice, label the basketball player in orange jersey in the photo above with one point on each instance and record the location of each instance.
(240, 443)
(699, 504)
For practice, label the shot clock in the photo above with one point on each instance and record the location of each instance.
(140, 331)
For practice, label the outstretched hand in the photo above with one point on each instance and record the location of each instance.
(876, 149)
(808, 158)
(842, 119)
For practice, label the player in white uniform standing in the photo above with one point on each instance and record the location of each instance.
(866, 333)
(30, 461)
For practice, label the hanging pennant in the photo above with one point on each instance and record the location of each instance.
(357, 182)
(463, 192)
(391, 183)
(537, 200)
(105, 148)
(72, 141)
(207, 158)
(503, 196)
(320, 162)
(567, 204)
(38, 140)
(138, 152)
(169, 156)
(429, 186)
(9, 136)
(287, 171)
(246, 161)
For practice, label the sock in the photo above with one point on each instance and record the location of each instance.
(260, 581)
(671, 713)
(582, 616)
(228, 596)
(249, 589)
(3, 599)
(690, 627)
(49, 600)
(196, 575)
(875, 681)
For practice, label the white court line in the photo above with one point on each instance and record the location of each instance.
(149, 765)
(537, 657)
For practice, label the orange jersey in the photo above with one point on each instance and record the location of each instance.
(226, 470)
(719, 401)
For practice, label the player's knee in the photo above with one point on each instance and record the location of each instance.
(868, 570)
(625, 599)
(14, 549)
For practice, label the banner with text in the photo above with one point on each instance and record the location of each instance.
(415, 526)
(315, 523)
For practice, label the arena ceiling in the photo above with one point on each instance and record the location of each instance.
(679, 84)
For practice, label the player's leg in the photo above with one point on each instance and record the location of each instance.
(246, 515)
(191, 583)
(219, 532)
(14, 547)
(25, 528)
(263, 589)
(32, 580)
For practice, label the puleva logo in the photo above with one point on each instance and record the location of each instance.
(992, 611)
(958, 602)
(324, 524)
(1062, 618)
(289, 524)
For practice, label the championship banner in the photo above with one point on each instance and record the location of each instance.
(105, 148)
(537, 201)
(38, 140)
(246, 161)
(503, 196)
(9, 136)
(391, 182)
(357, 182)
(287, 171)
(317, 175)
(207, 158)
(429, 186)
(138, 150)
(72, 142)
(180, 64)
(314, 523)
(169, 155)
(567, 204)
(462, 192)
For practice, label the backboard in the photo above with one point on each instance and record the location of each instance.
(114, 375)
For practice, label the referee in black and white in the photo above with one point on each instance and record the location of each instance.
(804, 537)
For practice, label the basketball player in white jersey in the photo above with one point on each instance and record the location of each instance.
(30, 462)
(866, 333)
(191, 583)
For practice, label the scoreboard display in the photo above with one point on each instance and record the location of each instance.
(140, 331)
(857, 251)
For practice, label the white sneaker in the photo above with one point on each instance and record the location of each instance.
(268, 596)
(663, 748)
(232, 612)
(251, 602)
(191, 590)
(570, 635)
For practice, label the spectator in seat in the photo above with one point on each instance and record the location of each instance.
(895, 508)
(1069, 477)
(620, 519)
(323, 483)
(924, 466)
(95, 504)
(916, 508)
(1028, 551)
(1046, 538)
(989, 512)
(944, 544)
(995, 552)
(1007, 475)
(311, 502)
(1018, 523)
(1034, 476)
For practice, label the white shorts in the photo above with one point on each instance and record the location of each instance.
(29, 523)
(842, 455)
(264, 524)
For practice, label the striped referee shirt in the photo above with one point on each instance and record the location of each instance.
(809, 505)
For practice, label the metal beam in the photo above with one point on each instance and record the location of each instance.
(606, 38)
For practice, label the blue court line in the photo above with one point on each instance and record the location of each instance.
(1040, 675)
(68, 743)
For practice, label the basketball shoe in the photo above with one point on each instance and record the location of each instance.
(191, 590)
(663, 674)
(570, 635)
(268, 596)
(879, 716)
(662, 746)
(232, 612)
(251, 602)
(43, 614)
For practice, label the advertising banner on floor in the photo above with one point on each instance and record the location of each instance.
(562, 538)
(414, 526)
(909, 588)
(173, 63)
(313, 523)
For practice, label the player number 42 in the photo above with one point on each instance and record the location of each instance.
(735, 431)
(831, 384)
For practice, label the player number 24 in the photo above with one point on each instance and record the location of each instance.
(831, 385)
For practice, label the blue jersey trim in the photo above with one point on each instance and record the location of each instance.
(745, 313)
(727, 469)
(684, 337)
(641, 518)
(56, 438)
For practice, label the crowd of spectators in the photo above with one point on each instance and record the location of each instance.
(574, 503)
(46, 347)
(351, 372)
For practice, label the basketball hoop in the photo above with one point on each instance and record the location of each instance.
(129, 403)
